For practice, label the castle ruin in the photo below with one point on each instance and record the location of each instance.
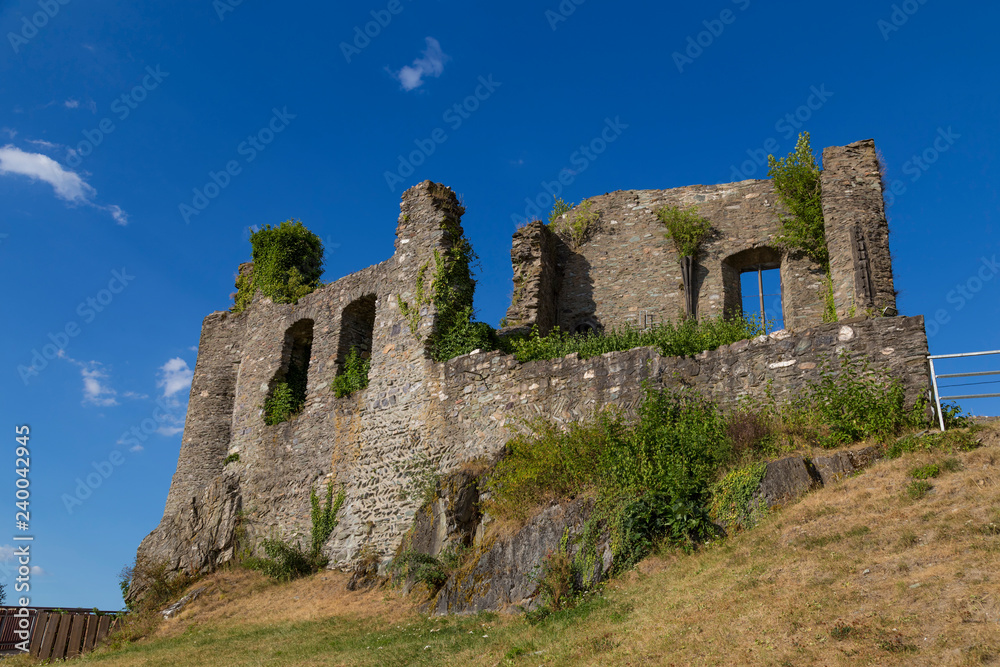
(417, 412)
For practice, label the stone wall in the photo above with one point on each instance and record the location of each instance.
(417, 418)
(857, 232)
(479, 395)
(627, 272)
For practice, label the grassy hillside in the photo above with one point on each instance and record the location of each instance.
(875, 569)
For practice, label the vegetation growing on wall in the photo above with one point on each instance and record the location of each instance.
(285, 561)
(575, 227)
(797, 181)
(450, 288)
(287, 265)
(289, 395)
(686, 338)
(353, 376)
(683, 464)
(653, 473)
(685, 228)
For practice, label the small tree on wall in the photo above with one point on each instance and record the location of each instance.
(797, 182)
(287, 264)
(687, 230)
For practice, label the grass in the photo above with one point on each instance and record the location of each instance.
(883, 581)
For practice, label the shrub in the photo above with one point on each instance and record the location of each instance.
(687, 338)
(558, 209)
(353, 376)
(685, 228)
(797, 181)
(851, 404)
(925, 472)
(283, 403)
(659, 516)
(734, 498)
(574, 228)
(918, 488)
(232, 458)
(749, 430)
(665, 462)
(287, 264)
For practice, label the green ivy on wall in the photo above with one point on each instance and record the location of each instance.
(287, 264)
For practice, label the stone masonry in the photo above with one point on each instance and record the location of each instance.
(418, 417)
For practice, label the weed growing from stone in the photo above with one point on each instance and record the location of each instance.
(687, 338)
(285, 561)
(353, 376)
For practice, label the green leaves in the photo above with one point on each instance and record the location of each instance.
(353, 376)
(797, 182)
(684, 339)
(685, 228)
(287, 264)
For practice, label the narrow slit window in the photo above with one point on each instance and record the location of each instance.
(760, 288)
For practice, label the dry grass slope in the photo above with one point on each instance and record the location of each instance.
(860, 573)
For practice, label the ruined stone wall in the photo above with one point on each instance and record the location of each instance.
(857, 232)
(627, 272)
(418, 418)
(479, 395)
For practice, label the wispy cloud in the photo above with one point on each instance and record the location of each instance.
(431, 64)
(96, 390)
(67, 184)
(174, 378)
(72, 104)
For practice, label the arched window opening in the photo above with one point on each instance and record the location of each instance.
(357, 328)
(287, 390)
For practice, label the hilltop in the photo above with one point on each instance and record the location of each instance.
(872, 569)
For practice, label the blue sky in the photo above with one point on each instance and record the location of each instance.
(116, 116)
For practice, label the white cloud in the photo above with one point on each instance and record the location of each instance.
(72, 104)
(44, 144)
(67, 184)
(95, 390)
(37, 570)
(6, 553)
(175, 376)
(431, 64)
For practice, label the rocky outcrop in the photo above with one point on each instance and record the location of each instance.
(504, 574)
(206, 530)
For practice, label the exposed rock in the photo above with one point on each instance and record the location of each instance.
(176, 607)
(787, 479)
(503, 576)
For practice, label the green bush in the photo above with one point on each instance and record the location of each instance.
(797, 181)
(289, 395)
(573, 228)
(687, 338)
(659, 517)
(671, 453)
(287, 264)
(918, 488)
(232, 458)
(558, 209)
(734, 502)
(851, 404)
(353, 376)
(685, 228)
(925, 472)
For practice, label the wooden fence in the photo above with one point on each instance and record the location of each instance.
(55, 634)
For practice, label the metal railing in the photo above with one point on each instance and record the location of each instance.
(935, 377)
